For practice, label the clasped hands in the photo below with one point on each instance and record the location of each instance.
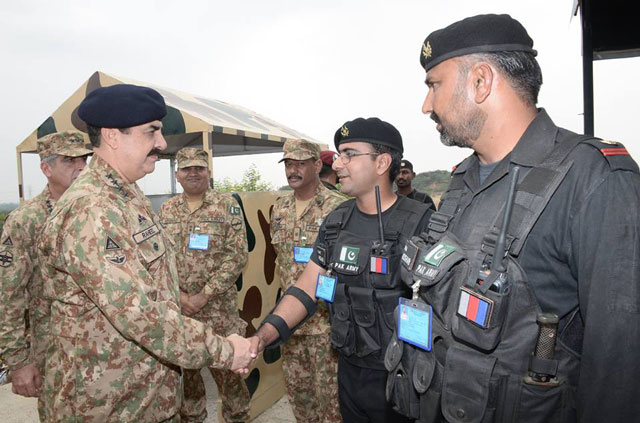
(245, 352)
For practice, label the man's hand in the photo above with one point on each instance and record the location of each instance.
(185, 304)
(198, 301)
(26, 381)
(244, 352)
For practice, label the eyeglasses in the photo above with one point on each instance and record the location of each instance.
(346, 156)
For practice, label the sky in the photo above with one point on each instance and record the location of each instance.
(310, 65)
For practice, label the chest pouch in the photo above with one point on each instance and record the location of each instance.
(364, 309)
(342, 330)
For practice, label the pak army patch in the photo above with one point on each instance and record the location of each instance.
(438, 253)
(7, 242)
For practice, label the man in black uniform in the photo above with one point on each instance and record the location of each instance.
(403, 182)
(355, 271)
(549, 330)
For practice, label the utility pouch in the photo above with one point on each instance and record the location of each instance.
(465, 391)
(363, 306)
(399, 359)
(479, 317)
(342, 331)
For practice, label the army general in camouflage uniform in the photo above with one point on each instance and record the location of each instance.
(310, 363)
(22, 341)
(211, 249)
(117, 335)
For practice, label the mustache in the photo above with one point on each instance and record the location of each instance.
(154, 152)
(294, 175)
(435, 118)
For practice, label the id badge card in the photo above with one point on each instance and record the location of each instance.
(302, 254)
(198, 242)
(326, 287)
(414, 323)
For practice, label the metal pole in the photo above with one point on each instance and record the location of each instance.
(587, 67)
(172, 165)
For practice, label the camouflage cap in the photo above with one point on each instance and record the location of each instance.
(190, 156)
(300, 150)
(65, 143)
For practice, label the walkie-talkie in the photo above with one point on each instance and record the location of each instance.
(496, 275)
(380, 247)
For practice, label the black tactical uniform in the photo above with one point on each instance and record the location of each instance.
(422, 197)
(362, 318)
(573, 250)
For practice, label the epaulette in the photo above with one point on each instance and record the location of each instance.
(615, 153)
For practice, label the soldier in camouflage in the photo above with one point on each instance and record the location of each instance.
(211, 249)
(23, 340)
(117, 336)
(310, 363)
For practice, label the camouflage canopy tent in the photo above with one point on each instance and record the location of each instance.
(222, 129)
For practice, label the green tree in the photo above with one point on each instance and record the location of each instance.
(251, 181)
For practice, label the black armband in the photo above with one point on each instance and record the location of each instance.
(279, 323)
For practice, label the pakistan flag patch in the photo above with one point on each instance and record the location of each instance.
(234, 210)
(349, 254)
(438, 253)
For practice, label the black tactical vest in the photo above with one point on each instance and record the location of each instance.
(362, 311)
(480, 356)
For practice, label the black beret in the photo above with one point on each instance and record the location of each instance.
(371, 130)
(406, 164)
(122, 106)
(477, 34)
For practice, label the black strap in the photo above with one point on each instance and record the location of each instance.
(280, 325)
(304, 298)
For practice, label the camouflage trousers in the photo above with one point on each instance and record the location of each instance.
(310, 367)
(231, 388)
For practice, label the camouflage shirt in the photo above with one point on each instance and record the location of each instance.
(288, 232)
(213, 268)
(21, 284)
(116, 331)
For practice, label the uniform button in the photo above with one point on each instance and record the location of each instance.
(155, 246)
(460, 413)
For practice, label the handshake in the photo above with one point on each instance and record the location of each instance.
(245, 352)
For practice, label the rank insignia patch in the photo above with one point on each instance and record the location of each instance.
(344, 131)
(438, 253)
(7, 242)
(111, 245)
(475, 308)
(141, 219)
(426, 50)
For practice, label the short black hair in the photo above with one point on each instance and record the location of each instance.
(396, 158)
(326, 170)
(520, 67)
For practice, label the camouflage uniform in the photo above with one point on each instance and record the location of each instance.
(213, 272)
(310, 363)
(23, 339)
(117, 335)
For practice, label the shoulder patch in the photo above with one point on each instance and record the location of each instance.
(615, 153)
(6, 258)
(7, 241)
(111, 245)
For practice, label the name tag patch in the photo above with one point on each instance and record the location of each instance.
(414, 323)
(198, 242)
(145, 234)
(475, 307)
(302, 254)
(326, 287)
(409, 254)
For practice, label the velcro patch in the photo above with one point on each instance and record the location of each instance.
(218, 219)
(234, 210)
(475, 307)
(7, 241)
(145, 234)
(111, 245)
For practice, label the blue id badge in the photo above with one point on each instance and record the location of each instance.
(414, 323)
(198, 242)
(302, 254)
(326, 287)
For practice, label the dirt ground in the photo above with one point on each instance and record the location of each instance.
(17, 409)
